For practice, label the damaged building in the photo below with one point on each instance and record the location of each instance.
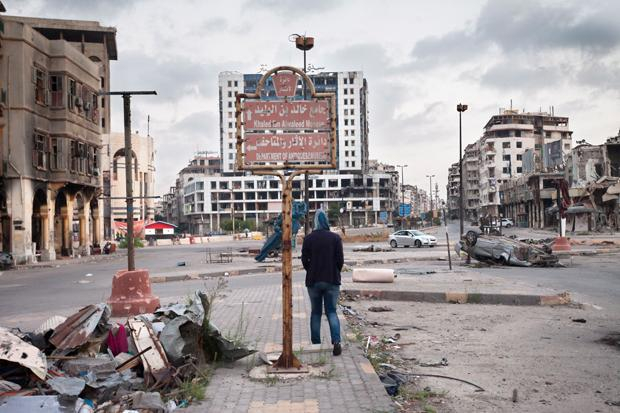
(593, 174)
(52, 122)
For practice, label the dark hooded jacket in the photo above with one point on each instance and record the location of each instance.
(321, 253)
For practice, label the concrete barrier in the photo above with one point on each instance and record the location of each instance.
(131, 294)
(373, 275)
(164, 242)
(184, 241)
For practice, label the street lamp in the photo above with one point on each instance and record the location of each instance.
(304, 43)
(430, 194)
(402, 190)
(460, 108)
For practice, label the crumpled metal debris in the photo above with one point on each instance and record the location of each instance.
(88, 325)
(441, 363)
(13, 349)
(67, 386)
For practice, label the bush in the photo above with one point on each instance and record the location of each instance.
(137, 242)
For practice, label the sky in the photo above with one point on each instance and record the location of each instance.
(420, 58)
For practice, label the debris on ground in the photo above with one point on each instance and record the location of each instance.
(441, 363)
(83, 363)
(372, 248)
(505, 251)
(380, 309)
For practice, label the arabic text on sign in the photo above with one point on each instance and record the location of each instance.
(286, 115)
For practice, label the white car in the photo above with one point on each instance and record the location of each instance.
(507, 222)
(411, 238)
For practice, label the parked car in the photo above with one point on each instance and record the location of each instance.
(411, 238)
(507, 222)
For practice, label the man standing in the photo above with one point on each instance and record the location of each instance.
(322, 257)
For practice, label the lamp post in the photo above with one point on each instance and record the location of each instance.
(305, 43)
(402, 191)
(460, 108)
(430, 194)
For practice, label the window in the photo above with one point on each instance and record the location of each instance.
(346, 92)
(230, 104)
(346, 143)
(353, 164)
(352, 122)
(346, 164)
(103, 122)
(39, 153)
(230, 156)
(229, 94)
(519, 144)
(519, 169)
(74, 158)
(90, 165)
(567, 146)
(519, 157)
(346, 112)
(230, 125)
(351, 91)
(346, 122)
(505, 170)
(346, 132)
(71, 93)
(352, 153)
(351, 80)
(346, 101)
(506, 157)
(351, 101)
(505, 145)
(352, 133)
(230, 146)
(518, 133)
(345, 80)
(352, 111)
(56, 155)
(346, 153)
(56, 90)
(236, 83)
(229, 83)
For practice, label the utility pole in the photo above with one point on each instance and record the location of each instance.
(131, 256)
(460, 108)
(305, 43)
(402, 191)
(430, 195)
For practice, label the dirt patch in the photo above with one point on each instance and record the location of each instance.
(537, 356)
(612, 339)
(375, 237)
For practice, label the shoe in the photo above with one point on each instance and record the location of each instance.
(337, 349)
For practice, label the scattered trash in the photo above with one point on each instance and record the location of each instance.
(181, 264)
(612, 402)
(84, 364)
(441, 363)
(88, 275)
(379, 309)
(579, 320)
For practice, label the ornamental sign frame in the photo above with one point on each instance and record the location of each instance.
(285, 134)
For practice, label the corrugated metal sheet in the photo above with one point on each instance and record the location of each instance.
(78, 328)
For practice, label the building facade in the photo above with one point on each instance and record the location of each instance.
(471, 182)
(51, 140)
(351, 91)
(114, 179)
(452, 191)
(506, 138)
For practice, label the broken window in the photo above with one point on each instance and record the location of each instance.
(38, 78)
(57, 160)
(56, 90)
(39, 153)
(71, 93)
(505, 145)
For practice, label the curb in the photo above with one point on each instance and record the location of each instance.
(463, 298)
(157, 279)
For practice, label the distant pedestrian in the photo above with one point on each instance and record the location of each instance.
(323, 258)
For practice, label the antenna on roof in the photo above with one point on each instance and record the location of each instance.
(148, 125)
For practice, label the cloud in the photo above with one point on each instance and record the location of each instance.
(288, 8)
(509, 75)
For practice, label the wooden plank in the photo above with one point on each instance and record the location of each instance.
(152, 353)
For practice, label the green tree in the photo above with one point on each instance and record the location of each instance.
(333, 213)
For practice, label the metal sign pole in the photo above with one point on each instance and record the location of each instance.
(131, 258)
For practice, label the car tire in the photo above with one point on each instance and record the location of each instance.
(418, 243)
(471, 238)
(393, 244)
(431, 246)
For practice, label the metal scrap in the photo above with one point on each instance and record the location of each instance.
(67, 386)
(86, 326)
(13, 349)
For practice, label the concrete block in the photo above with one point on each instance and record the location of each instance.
(373, 275)
(184, 241)
(131, 294)
(164, 242)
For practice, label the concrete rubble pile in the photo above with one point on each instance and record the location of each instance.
(86, 363)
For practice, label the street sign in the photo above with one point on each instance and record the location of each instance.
(287, 147)
(383, 216)
(286, 133)
(303, 114)
(404, 210)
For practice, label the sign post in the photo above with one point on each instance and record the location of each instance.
(286, 138)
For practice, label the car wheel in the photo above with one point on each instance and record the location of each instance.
(418, 243)
(431, 246)
(471, 238)
(393, 244)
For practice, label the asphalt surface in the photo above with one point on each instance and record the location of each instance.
(29, 296)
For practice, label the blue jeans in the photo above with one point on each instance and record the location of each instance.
(324, 293)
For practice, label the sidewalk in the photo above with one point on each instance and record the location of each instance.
(352, 385)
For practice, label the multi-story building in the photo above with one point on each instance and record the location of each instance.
(506, 137)
(452, 190)
(50, 146)
(351, 91)
(471, 181)
(208, 200)
(114, 179)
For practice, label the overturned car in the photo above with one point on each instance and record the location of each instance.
(506, 251)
